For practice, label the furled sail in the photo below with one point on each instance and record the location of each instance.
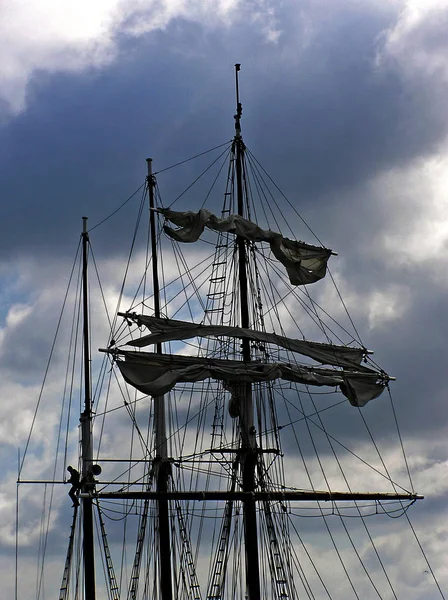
(166, 330)
(156, 374)
(304, 263)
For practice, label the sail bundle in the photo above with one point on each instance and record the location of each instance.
(156, 374)
(167, 330)
(304, 263)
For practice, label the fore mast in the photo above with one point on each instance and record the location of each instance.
(87, 482)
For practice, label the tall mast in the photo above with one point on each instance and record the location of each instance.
(86, 436)
(248, 440)
(161, 463)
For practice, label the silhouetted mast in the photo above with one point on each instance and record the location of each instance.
(86, 436)
(161, 463)
(248, 441)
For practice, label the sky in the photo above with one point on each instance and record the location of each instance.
(346, 102)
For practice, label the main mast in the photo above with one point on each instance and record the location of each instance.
(247, 429)
(161, 463)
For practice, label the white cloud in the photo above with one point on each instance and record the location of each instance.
(51, 36)
(387, 305)
(17, 313)
(418, 42)
(414, 204)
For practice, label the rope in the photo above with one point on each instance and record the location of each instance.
(117, 209)
(48, 362)
(401, 439)
(197, 178)
(192, 158)
(285, 197)
(424, 556)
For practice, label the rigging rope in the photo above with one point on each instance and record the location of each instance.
(358, 509)
(319, 504)
(193, 157)
(249, 153)
(53, 345)
(401, 439)
(117, 209)
(71, 361)
(198, 178)
(424, 556)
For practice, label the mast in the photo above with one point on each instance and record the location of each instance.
(161, 463)
(248, 441)
(86, 437)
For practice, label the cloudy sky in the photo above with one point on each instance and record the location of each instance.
(344, 99)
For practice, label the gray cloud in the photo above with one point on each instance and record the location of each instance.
(345, 108)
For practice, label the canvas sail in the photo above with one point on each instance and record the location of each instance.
(156, 374)
(304, 263)
(166, 330)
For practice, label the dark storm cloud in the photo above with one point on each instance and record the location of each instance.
(338, 117)
(324, 109)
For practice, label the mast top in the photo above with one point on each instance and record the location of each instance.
(239, 106)
(149, 165)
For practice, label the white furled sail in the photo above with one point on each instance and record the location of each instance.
(156, 374)
(166, 330)
(304, 263)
